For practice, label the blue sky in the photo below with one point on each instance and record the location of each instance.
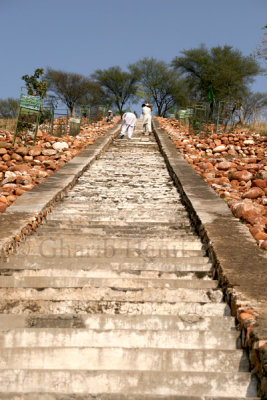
(85, 35)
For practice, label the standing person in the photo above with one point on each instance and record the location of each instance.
(146, 114)
(128, 124)
(110, 116)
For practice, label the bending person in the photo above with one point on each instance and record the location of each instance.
(128, 124)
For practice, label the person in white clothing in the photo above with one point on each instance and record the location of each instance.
(146, 115)
(128, 124)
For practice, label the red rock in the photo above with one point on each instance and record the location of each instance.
(261, 183)
(241, 176)
(35, 151)
(6, 157)
(225, 165)
(3, 199)
(3, 151)
(16, 157)
(22, 150)
(260, 236)
(253, 193)
(21, 168)
(256, 229)
(263, 245)
(19, 191)
(3, 207)
(3, 168)
(5, 145)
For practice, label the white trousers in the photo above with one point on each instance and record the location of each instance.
(127, 128)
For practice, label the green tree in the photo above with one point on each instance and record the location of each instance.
(119, 86)
(159, 84)
(9, 108)
(69, 87)
(224, 69)
(36, 84)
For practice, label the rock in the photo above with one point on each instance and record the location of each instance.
(21, 168)
(19, 191)
(260, 236)
(219, 149)
(49, 152)
(3, 207)
(35, 151)
(6, 157)
(264, 201)
(3, 151)
(253, 193)
(225, 165)
(261, 183)
(23, 151)
(263, 245)
(5, 145)
(241, 175)
(50, 164)
(3, 199)
(60, 146)
(249, 141)
(16, 157)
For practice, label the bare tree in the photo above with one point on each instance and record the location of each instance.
(69, 87)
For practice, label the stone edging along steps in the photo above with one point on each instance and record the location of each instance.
(240, 266)
(23, 216)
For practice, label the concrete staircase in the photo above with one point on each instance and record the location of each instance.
(112, 298)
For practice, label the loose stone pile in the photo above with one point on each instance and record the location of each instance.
(235, 166)
(22, 167)
(112, 298)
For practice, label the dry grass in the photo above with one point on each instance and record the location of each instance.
(8, 124)
(259, 127)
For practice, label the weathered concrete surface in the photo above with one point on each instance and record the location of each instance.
(31, 208)
(240, 266)
(112, 297)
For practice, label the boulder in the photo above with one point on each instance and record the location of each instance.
(219, 149)
(241, 175)
(225, 165)
(49, 152)
(3, 207)
(261, 183)
(253, 193)
(35, 151)
(60, 146)
(3, 151)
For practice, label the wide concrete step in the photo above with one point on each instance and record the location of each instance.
(123, 283)
(163, 231)
(116, 396)
(155, 247)
(129, 382)
(106, 358)
(114, 293)
(124, 307)
(115, 322)
(171, 339)
(43, 261)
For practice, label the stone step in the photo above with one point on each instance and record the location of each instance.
(43, 261)
(115, 322)
(124, 359)
(101, 396)
(124, 307)
(52, 248)
(171, 339)
(105, 246)
(138, 231)
(239, 384)
(105, 274)
(123, 283)
(116, 293)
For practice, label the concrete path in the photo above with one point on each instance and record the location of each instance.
(112, 297)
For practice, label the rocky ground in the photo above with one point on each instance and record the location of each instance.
(22, 167)
(234, 165)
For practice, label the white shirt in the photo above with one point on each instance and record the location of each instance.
(129, 119)
(146, 113)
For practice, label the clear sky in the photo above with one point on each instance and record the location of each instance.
(84, 35)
